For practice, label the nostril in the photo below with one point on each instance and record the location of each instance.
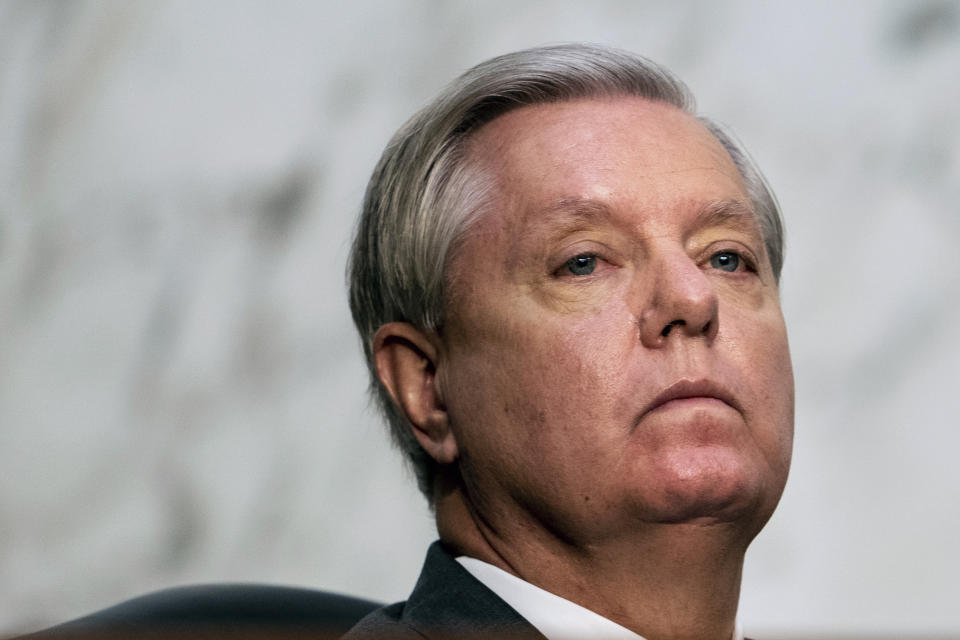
(706, 329)
(667, 329)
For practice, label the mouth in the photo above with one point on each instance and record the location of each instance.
(691, 392)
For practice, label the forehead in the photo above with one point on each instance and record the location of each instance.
(628, 155)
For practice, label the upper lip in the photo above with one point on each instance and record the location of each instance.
(701, 388)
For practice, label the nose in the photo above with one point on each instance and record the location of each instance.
(681, 301)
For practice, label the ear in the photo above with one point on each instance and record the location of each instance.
(406, 362)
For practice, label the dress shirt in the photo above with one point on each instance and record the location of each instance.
(555, 617)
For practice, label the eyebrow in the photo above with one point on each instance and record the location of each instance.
(729, 213)
(560, 217)
(574, 210)
(569, 213)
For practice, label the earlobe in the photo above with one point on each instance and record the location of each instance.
(406, 362)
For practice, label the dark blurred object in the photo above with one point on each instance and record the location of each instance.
(220, 611)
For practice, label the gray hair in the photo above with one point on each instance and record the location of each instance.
(423, 195)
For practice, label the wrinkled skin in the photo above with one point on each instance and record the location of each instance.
(620, 258)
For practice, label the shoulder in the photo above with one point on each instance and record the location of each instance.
(447, 602)
(385, 622)
(391, 623)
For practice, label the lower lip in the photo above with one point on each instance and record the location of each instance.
(700, 421)
(697, 402)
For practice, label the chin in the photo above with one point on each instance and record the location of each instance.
(711, 485)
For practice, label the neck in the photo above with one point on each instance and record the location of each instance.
(662, 581)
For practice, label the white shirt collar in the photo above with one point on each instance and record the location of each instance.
(555, 617)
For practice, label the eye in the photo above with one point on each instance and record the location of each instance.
(581, 265)
(725, 261)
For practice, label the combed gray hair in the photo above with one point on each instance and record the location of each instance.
(423, 194)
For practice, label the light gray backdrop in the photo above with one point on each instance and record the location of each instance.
(181, 392)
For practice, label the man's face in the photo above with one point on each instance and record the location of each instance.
(614, 351)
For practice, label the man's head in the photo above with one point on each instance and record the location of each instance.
(585, 277)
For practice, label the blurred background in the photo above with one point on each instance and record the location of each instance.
(181, 390)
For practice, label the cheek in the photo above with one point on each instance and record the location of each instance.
(762, 353)
(541, 380)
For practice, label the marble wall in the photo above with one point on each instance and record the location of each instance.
(181, 392)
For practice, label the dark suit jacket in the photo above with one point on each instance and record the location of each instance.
(446, 603)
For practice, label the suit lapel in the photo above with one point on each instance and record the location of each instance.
(448, 602)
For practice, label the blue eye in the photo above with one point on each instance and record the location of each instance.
(582, 265)
(725, 261)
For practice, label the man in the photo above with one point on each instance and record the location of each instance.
(567, 289)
